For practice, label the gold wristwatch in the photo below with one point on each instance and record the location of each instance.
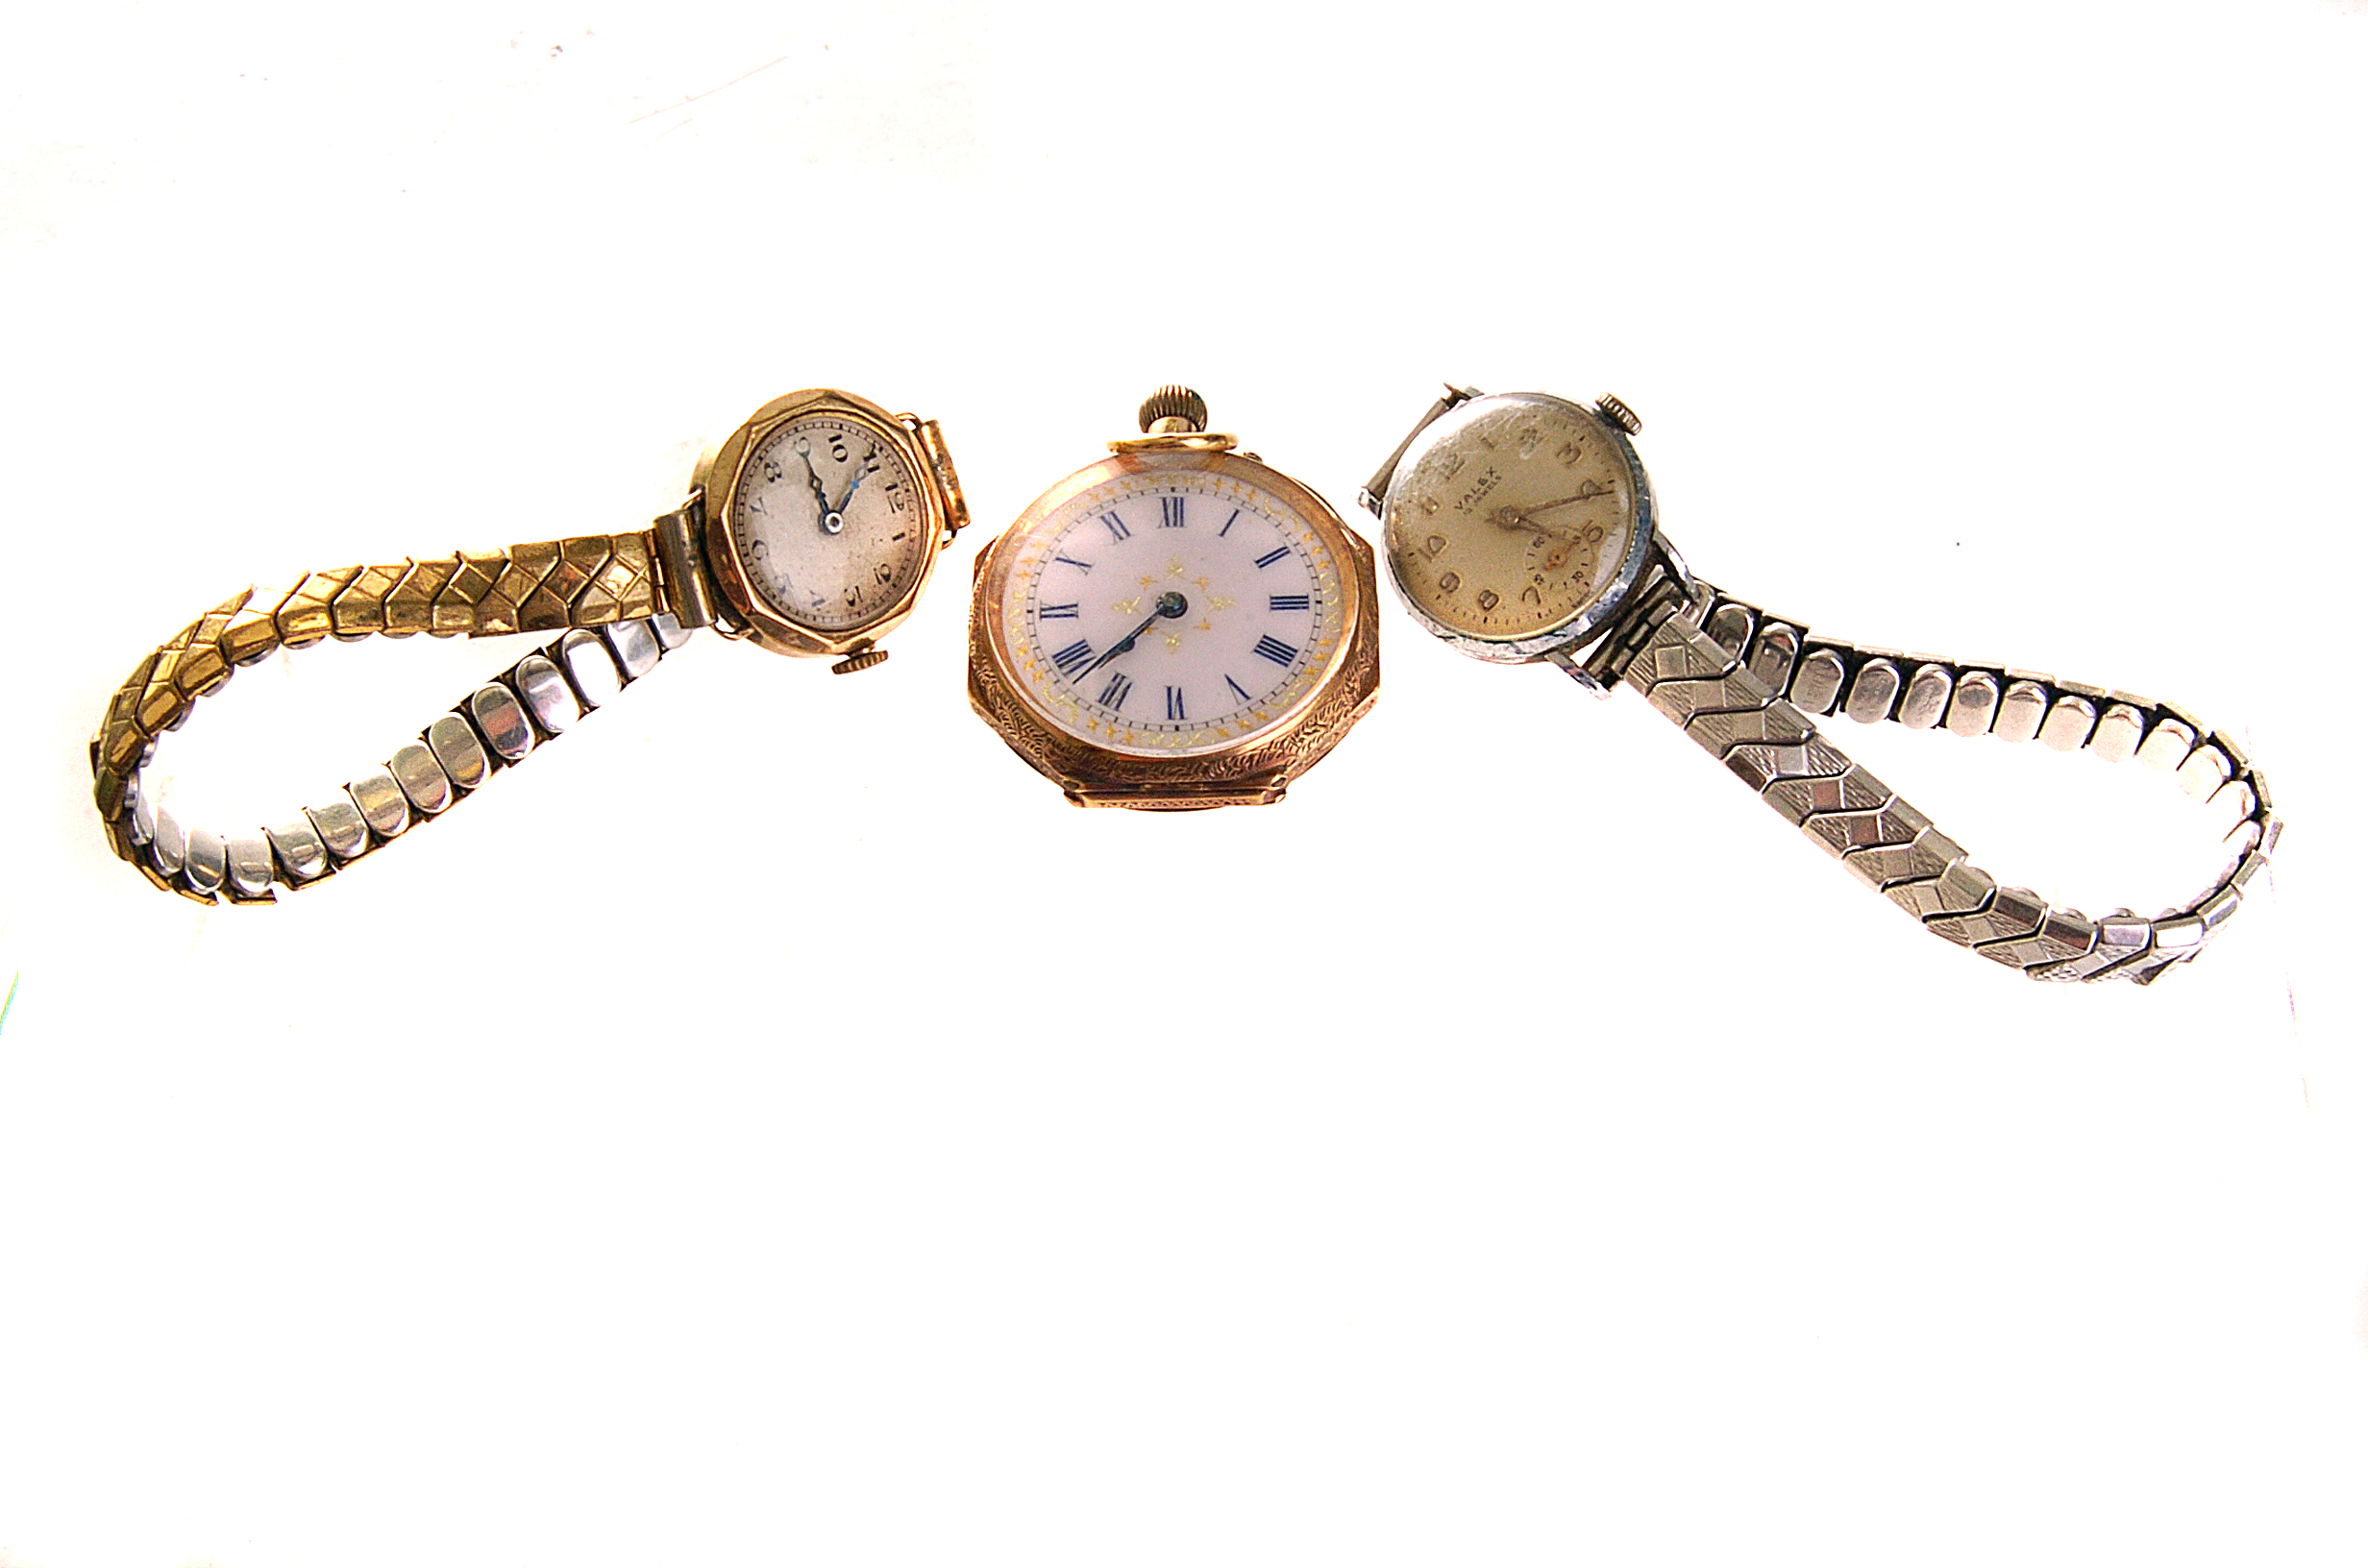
(1174, 626)
(811, 531)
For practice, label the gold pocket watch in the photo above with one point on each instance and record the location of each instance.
(1174, 626)
(810, 532)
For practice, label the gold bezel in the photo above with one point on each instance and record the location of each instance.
(1254, 770)
(716, 483)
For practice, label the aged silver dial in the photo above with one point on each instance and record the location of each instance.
(1511, 519)
(827, 523)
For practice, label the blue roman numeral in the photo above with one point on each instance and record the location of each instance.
(1074, 657)
(1175, 702)
(1272, 555)
(1286, 601)
(1082, 566)
(1237, 688)
(1281, 652)
(1056, 612)
(1116, 527)
(1229, 523)
(1171, 511)
(1114, 694)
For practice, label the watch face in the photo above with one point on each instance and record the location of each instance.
(828, 524)
(1170, 611)
(1513, 518)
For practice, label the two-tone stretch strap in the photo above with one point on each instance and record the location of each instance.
(602, 589)
(1744, 685)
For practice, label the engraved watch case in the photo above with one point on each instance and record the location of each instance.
(1155, 527)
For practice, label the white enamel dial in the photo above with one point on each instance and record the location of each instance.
(1170, 612)
(827, 523)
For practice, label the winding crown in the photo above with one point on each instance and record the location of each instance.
(1172, 409)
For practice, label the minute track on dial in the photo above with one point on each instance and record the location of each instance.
(1196, 556)
(1174, 626)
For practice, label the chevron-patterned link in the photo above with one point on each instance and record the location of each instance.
(592, 580)
(1721, 668)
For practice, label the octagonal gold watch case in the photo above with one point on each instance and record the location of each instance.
(1175, 626)
(820, 518)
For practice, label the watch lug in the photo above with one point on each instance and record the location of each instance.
(1369, 495)
(1561, 659)
(941, 469)
(1666, 590)
(683, 561)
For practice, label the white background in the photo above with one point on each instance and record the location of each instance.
(775, 1128)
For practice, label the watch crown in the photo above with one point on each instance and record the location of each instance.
(864, 660)
(1172, 409)
(1618, 413)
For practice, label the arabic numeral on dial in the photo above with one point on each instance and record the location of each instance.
(855, 595)
(1431, 545)
(1489, 599)
(838, 448)
(1571, 452)
(1450, 582)
(772, 470)
(883, 574)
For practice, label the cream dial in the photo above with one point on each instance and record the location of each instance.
(827, 523)
(1170, 612)
(1516, 518)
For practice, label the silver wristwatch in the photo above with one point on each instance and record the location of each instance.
(1521, 527)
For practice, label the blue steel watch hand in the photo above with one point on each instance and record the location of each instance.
(851, 486)
(828, 521)
(1170, 605)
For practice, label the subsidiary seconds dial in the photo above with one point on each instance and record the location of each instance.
(1170, 612)
(828, 524)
